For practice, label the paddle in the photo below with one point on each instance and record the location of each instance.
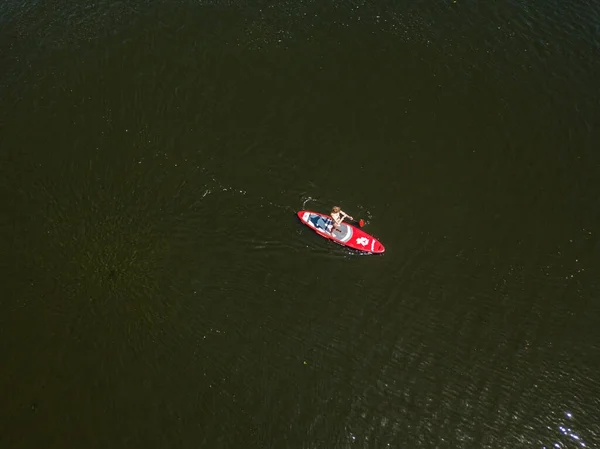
(360, 222)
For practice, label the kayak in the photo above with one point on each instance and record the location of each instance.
(348, 235)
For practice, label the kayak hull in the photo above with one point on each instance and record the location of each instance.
(348, 235)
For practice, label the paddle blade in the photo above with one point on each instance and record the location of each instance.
(361, 222)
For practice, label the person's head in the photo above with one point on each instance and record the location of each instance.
(336, 209)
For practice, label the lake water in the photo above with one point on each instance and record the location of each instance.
(158, 290)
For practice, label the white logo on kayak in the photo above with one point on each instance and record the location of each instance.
(362, 241)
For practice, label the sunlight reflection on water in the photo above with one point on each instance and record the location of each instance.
(567, 431)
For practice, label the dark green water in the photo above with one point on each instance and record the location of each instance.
(158, 290)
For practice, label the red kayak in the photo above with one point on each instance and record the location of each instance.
(348, 235)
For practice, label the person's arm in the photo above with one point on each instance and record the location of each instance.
(344, 215)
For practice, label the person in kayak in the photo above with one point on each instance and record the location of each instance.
(338, 215)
